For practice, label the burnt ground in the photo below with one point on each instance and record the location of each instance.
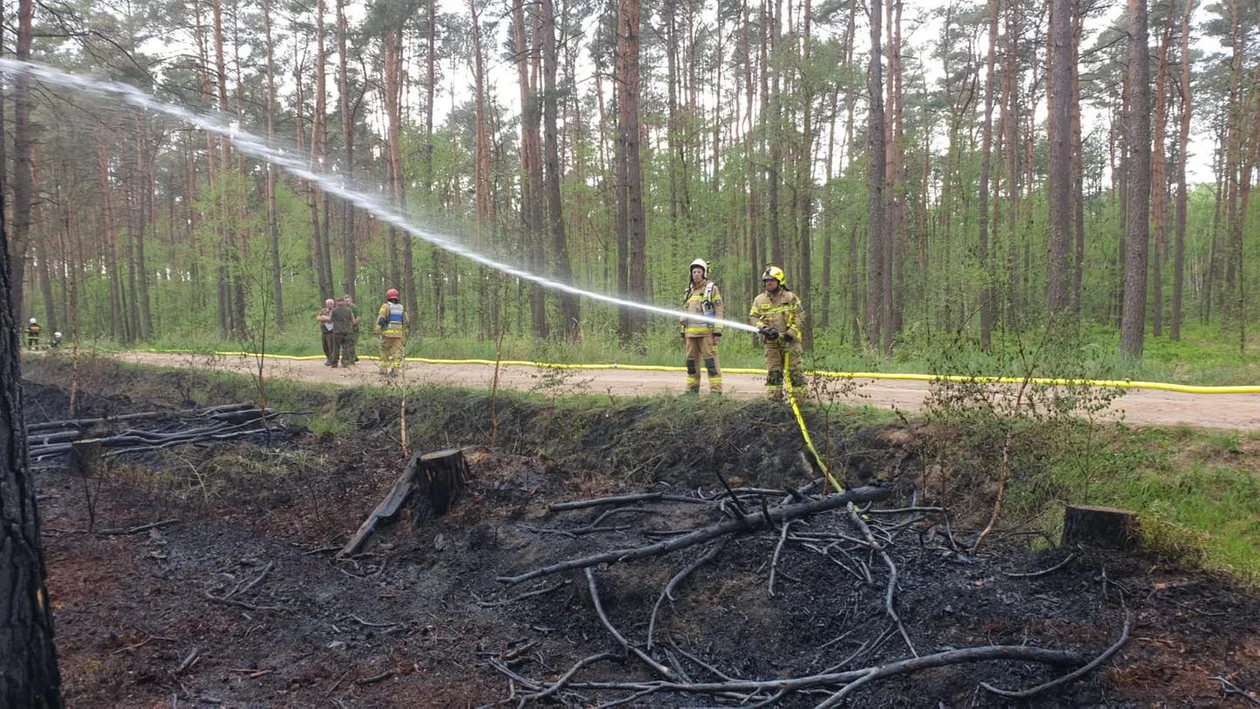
(420, 619)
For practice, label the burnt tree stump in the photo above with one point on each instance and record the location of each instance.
(85, 458)
(1105, 527)
(432, 482)
(439, 478)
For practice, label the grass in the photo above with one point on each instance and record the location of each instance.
(1198, 493)
(1205, 355)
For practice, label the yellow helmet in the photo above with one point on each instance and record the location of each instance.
(774, 272)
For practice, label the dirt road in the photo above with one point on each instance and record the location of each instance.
(1139, 407)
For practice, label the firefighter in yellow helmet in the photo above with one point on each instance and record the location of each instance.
(701, 334)
(779, 316)
(391, 325)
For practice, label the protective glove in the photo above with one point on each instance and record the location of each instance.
(771, 334)
(789, 337)
(683, 335)
(717, 337)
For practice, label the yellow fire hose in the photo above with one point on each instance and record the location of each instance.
(886, 376)
(800, 421)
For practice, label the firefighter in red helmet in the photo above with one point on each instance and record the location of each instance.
(391, 325)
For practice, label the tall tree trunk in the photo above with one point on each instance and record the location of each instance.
(273, 217)
(805, 176)
(481, 168)
(1010, 119)
(829, 213)
(430, 88)
(233, 256)
(988, 295)
(145, 189)
(555, 215)
(28, 657)
(129, 197)
(628, 122)
(1183, 144)
(319, 152)
(400, 274)
(1159, 180)
(532, 191)
(1138, 129)
(347, 142)
(109, 243)
(44, 274)
(894, 189)
(1078, 165)
(1059, 125)
(674, 118)
(1212, 272)
(875, 184)
(774, 135)
(719, 47)
(1233, 160)
(19, 241)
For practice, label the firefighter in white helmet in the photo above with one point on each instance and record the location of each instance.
(702, 333)
(33, 332)
(779, 316)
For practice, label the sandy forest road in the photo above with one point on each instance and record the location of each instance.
(1139, 407)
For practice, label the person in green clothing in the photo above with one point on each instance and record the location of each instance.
(343, 332)
(353, 344)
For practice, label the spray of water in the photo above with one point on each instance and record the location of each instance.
(292, 162)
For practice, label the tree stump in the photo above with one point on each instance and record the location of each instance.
(85, 458)
(1105, 527)
(438, 478)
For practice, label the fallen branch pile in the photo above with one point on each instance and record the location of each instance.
(163, 429)
(855, 555)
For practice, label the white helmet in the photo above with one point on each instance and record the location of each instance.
(57, 335)
(702, 264)
(33, 321)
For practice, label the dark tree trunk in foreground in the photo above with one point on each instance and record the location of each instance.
(28, 658)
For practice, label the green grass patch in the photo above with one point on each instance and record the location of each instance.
(1205, 355)
(1198, 493)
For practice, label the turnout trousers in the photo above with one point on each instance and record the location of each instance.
(702, 350)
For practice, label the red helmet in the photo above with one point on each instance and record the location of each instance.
(391, 294)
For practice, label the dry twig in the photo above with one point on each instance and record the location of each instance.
(1043, 572)
(678, 578)
(892, 576)
(1095, 664)
(742, 523)
(660, 669)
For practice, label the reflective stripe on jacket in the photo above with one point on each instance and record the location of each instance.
(391, 319)
(705, 300)
(782, 311)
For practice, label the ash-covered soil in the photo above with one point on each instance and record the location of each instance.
(238, 599)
